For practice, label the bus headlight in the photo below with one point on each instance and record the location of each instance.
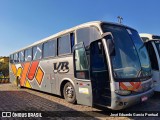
(123, 92)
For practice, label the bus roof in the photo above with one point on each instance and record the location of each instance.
(95, 23)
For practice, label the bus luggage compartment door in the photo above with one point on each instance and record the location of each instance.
(83, 92)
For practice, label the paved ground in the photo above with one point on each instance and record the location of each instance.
(14, 99)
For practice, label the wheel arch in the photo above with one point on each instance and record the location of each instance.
(63, 82)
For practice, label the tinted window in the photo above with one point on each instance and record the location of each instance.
(49, 49)
(87, 35)
(80, 60)
(155, 37)
(16, 57)
(64, 45)
(21, 56)
(11, 58)
(81, 63)
(98, 58)
(157, 43)
(125, 62)
(142, 52)
(72, 40)
(37, 52)
(152, 55)
(28, 54)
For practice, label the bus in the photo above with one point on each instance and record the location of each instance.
(152, 43)
(95, 63)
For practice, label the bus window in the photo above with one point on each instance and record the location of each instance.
(28, 54)
(49, 49)
(37, 52)
(155, 37)
(64, 45)
(21, 56)
(152, 56)
(87, 35)
(157, 43)
(81, 63)
(72, 37)
(16, 58)
(11, 58)
(98, 58)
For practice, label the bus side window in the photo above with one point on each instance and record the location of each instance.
(49, 48)
(64, 44)
(11, 58)
(15, 58)
(21, 56)
(28, 54)
(72, 38)
(37, 52)
(152, 56)
(87, 35)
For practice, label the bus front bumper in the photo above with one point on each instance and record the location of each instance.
(121, 102)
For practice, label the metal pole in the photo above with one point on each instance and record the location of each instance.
(120, 19)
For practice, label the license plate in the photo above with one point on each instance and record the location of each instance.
(144, 98)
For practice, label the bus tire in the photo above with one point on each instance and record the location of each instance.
(69, 93)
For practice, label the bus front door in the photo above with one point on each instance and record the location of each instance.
(83, 86)
(99, 75)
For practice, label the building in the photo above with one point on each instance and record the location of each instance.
(4, 59)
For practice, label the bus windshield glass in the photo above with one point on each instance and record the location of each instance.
(142, 52)
(126, 61)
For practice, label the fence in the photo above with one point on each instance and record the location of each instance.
(4, 80)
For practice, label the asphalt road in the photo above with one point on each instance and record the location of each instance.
(26, 100)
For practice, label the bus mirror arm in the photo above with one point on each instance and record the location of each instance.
(110, 42)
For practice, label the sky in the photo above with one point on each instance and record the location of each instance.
(23, 22)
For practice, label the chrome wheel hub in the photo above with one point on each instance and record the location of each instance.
(69, 92)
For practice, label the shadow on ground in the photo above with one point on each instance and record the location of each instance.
(22, 101)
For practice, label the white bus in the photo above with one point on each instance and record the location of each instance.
(152, 43)
(96, 63)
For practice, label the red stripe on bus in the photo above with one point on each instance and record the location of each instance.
(24, 73)
(32, 70)
(123, 86)
(135, 85)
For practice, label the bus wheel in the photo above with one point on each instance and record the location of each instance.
(69, 93)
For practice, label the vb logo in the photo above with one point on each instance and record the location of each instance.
(61, 67)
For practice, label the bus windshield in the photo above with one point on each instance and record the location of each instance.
(130, 59)
(142, 52)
